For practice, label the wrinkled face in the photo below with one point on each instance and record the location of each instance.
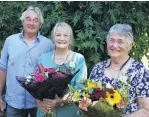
(62, 38)
(117, 46)
(31, 23)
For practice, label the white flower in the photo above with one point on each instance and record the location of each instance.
(109, 86)
(72, 64)
(28, 78)
(123, 79)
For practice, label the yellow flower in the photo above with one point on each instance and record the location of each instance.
(113, 97)
(98, 85)
(76, 96)
(91, 84)
(85, 94)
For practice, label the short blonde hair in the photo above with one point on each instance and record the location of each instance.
(63, 24)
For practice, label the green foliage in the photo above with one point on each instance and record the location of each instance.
(90, 22)
(102, 109)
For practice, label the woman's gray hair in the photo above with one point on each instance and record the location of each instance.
(36, 10)
(64, 25)
(124, 30)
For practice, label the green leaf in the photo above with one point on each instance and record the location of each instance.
(71, 89)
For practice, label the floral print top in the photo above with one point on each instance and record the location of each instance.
(139, 82)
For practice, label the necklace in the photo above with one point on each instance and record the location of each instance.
(117, 72)
(121, 66)
(60, 59)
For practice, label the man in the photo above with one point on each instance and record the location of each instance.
(19, 58)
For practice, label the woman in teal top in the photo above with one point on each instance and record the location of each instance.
(63, 39)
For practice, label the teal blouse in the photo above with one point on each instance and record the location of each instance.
(75, 61)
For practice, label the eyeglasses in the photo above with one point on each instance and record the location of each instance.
(35, 21)
(119, 42)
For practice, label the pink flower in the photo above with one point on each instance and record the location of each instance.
(39, 78)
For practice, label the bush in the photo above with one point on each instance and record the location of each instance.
(90, 22)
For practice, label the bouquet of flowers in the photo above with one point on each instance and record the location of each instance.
(47, 82)
(92, 94)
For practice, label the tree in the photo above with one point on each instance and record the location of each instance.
(90, 22)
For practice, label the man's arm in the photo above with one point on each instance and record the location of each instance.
(3, 68)
(2, 83)
(2, 80)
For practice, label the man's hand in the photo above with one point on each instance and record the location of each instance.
(1, 103)
(1, 107)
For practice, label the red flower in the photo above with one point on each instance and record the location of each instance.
(39, 78)
(97, 94)
(49, 70)
(59, 75)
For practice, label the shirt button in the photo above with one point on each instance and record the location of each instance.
(12, 64)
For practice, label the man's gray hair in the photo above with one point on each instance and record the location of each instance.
(124, 30)
(36, 10)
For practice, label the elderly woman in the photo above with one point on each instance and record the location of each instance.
(62, 35)
(119, 43)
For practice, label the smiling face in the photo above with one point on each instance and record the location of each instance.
(62, 38)
(118, 46)
(31, 23)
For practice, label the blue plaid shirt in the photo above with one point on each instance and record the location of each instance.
(20, 59)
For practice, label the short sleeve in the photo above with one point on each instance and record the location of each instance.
(142, 88)
(4, 56)
(95, 71)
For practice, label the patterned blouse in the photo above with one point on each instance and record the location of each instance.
(139, 82)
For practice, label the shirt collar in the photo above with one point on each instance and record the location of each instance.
(22, 36)
(108, 62)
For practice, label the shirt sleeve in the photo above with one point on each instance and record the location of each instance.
(82, 74)
(51, 47)
(4, 56)
(94, 72)
(142, 87)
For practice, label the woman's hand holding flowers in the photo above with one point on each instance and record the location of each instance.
(121, 105)
(85, 102)
(42, 106)
(67, 99)
(50, 104)
(47, 105)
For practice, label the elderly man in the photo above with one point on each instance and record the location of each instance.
(19, 58)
